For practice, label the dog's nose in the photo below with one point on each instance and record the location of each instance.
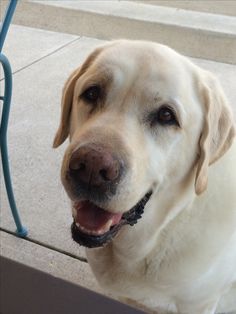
(94, 167)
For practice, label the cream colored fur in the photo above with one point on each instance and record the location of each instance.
(181, 256)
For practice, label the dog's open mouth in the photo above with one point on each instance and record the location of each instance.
(94, 226)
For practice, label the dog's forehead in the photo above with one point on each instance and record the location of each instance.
(139, 53)
(144, 62)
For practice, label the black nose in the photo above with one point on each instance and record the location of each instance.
(94, 167)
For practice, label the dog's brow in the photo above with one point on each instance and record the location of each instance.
(179, 108)
(101, 78)
(173, 101)
(157, 98)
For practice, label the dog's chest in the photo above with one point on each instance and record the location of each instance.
(162, 276)
(132, 280)
(135, 278)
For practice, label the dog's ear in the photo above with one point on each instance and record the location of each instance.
(218, 129)
(66, 104)
(67, 98)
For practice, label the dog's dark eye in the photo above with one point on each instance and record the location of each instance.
(92, 94)
(164, 116)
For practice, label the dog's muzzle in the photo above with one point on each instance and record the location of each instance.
(94, 173)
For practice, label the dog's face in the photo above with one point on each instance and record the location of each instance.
(134, 113)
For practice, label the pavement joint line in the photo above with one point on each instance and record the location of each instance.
(50, 247)
(45, 56)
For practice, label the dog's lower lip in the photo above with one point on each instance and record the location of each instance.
(90, 239)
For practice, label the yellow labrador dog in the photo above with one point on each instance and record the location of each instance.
(151, 173)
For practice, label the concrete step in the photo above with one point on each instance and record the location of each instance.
(225, 7)
(197, 34)
(43, 281)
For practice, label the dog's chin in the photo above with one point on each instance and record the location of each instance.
(95, 227)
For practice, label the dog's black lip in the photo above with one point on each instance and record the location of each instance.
(131, 217)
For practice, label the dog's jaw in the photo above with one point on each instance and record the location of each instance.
(92, 238)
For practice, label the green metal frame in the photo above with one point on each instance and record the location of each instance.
(6, 98)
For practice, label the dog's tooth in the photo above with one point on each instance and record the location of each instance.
(85, 229)
(97, 232)
(82, 228)
(106, 227)
(108, 224)
(88, 231)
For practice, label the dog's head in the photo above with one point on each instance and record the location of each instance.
(139, 117)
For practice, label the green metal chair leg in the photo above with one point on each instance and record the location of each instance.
(21, 231)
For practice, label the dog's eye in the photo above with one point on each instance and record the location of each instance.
(164, 116)
(92, 94)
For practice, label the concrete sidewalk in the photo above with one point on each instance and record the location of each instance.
(225, 7)
(42, 60)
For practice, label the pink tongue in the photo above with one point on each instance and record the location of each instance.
(95, 218)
